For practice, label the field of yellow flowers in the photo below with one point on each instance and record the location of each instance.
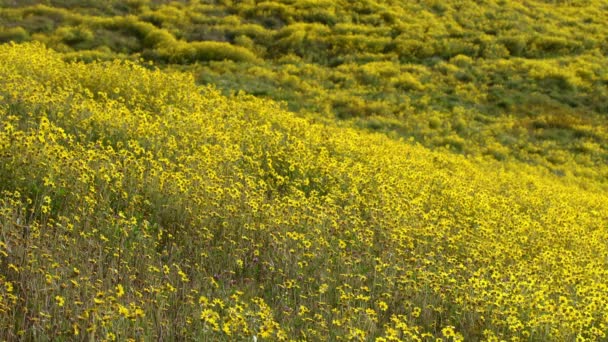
(138, 205)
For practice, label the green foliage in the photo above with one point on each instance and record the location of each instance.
(488, 160)
(521, 83)
(74, 35)
(305, 40)
(186, 53)
(16, 34)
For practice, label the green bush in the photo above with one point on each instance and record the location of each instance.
(409, 49)
(451, 47)
(16, 34)
(349, 43)
(74, 35)
(305, 40)
(271, 14)
(158, 37)
(547, 45)
(183, 52)
(408, 82)
(254, 31)
(516, 44)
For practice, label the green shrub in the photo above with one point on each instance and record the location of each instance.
(183, 52)
(271, 14)
(130, 24)
(322, 16)
(349, 43)
(451, 47)
(547, 45)
(36, 23)
(346, 108)
(164, 16)
(158, 37)
(409, 49)
(74, 35)
(16, 34)
(407, 82)
(317, 11)
(462, 61)
(254, 31)
(516, 45)
(494, 50)
(305, 40)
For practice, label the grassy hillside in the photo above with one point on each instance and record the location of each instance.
(136, 204)
(303, 170)
(522, 80)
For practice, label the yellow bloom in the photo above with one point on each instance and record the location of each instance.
(120, 291)
(60, 300)
(382, 306)
(123, 311)
(448, 331)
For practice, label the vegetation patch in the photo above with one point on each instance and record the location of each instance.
(303, 170)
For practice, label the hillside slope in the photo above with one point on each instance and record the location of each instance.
(136, 204)
(507, 79)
